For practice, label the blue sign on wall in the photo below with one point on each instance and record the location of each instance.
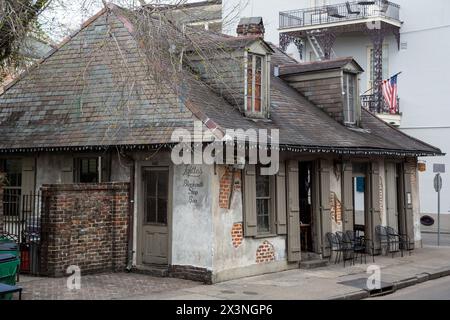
(360, 187)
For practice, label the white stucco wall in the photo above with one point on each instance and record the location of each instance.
(192, 223)
(228, 258)
(50, 168)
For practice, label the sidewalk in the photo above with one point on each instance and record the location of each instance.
(331, 282)
(325, 283)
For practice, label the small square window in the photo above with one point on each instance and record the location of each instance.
(87, 170)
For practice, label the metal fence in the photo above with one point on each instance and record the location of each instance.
(369, 102)
(22, 221)
(339, 12)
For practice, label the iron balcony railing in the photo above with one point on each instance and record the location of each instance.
(346, 11)
(369, 102)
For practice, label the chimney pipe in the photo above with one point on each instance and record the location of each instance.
(253, 26)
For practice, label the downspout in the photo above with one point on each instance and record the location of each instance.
(130, 213)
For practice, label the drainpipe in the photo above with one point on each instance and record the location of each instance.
(130, 213)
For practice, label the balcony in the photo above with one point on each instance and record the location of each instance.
(368, 102)
(347, 13)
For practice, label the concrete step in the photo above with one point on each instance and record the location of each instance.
(308, 256)
(313, 264)
(152, 270)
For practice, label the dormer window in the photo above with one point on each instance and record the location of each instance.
(257, 83)
(350, 98)
(254, 82)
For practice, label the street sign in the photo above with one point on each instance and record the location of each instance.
(438, 188)
(438, 183)
(439, 168)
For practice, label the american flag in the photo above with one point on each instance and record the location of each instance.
(390, 94)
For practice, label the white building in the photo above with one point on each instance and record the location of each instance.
(421, 54)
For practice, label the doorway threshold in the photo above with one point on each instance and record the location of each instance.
(155, 270)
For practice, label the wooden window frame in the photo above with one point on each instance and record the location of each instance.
(272, 205)
(262, 91)
(349, 110)
(77, 168)
(157, 215)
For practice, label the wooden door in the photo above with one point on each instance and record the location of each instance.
(155, 195)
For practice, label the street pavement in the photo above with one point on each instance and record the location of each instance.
(330, 282)
(430, 239)
(432, 290)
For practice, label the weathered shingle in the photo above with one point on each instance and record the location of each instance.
(95, 91)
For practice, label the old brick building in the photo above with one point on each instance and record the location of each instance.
(113, 197)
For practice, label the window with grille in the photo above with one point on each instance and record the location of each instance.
(87, 170)
(255, 65)
(156, 194)
(13, 188)
(264, 202)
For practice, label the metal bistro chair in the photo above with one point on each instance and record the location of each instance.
(390, 243)
(358, 244)
(350, 10)
(334, 12)
(334, 246)
(346, 246)
(405, 243)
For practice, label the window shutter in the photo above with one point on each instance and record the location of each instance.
(391, 196)
(408, 201)
(347, 195)
(250, 227)
(281, 200)
(294, 246)
(106, 168)
(67, 171)
(375, 212)
(324, 200)
(28, 175)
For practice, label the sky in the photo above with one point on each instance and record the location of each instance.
(69, 15)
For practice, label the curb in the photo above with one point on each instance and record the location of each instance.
(398, 285)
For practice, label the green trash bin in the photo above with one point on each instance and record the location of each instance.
(9, 265)
(7, 238)
(9, 248)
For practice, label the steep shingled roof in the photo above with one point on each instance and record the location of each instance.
(317, 66)
(79, 97)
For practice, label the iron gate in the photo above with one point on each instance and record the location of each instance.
(22, 221)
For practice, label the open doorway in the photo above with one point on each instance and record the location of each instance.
(359, 204)
(306, 206)
(360, 199)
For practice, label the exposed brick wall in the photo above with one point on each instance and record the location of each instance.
(84, 225)
(226, 187)
(265, 252)
(191, 273)
(237, 234)
(335, 208)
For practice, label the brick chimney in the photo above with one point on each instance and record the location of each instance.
(251, 27)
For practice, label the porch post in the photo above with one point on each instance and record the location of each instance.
(377, 37)
(2, 181)
(287, 38)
